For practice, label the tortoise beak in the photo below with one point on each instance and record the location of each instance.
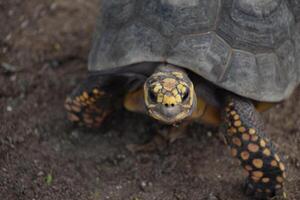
(170, 114)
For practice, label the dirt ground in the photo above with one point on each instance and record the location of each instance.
(43, 55)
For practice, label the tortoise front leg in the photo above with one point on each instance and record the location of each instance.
(100, 94)
(89, 104)
(246, 137)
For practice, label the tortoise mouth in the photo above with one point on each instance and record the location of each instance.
(171, 115)
(167, 120)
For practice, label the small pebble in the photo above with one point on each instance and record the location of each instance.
(209, 133)
(53, 6)
(145, 186)
(119, 187)
(24, 24)
(9, 108)
(8, 37)
(75, 134)
(11, 13)
(212, 197)
(41, 173)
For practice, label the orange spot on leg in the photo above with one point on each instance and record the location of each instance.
(258, 163)
(253, 147)
(73, 118)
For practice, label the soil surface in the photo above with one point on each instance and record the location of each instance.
(43, 55)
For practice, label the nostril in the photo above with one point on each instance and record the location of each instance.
(167, 105)
(172, 105)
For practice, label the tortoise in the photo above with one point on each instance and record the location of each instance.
(220, 62)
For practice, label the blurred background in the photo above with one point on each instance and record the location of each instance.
(43, 54)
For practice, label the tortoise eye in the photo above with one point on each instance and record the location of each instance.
(186, 94)
(152, 95)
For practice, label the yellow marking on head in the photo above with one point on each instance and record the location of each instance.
(169, 84)
(182, 88)
(192, 96)
(160, 74)
(175, 92)
(178, 98)
(178, 74)
(157, 87)
(160, 98)
(169, 100)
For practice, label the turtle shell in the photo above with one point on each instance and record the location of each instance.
(249, 47)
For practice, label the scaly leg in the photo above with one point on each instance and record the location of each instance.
(88, 106)
(246, 137)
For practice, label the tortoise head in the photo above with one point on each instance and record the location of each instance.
(169, 94)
